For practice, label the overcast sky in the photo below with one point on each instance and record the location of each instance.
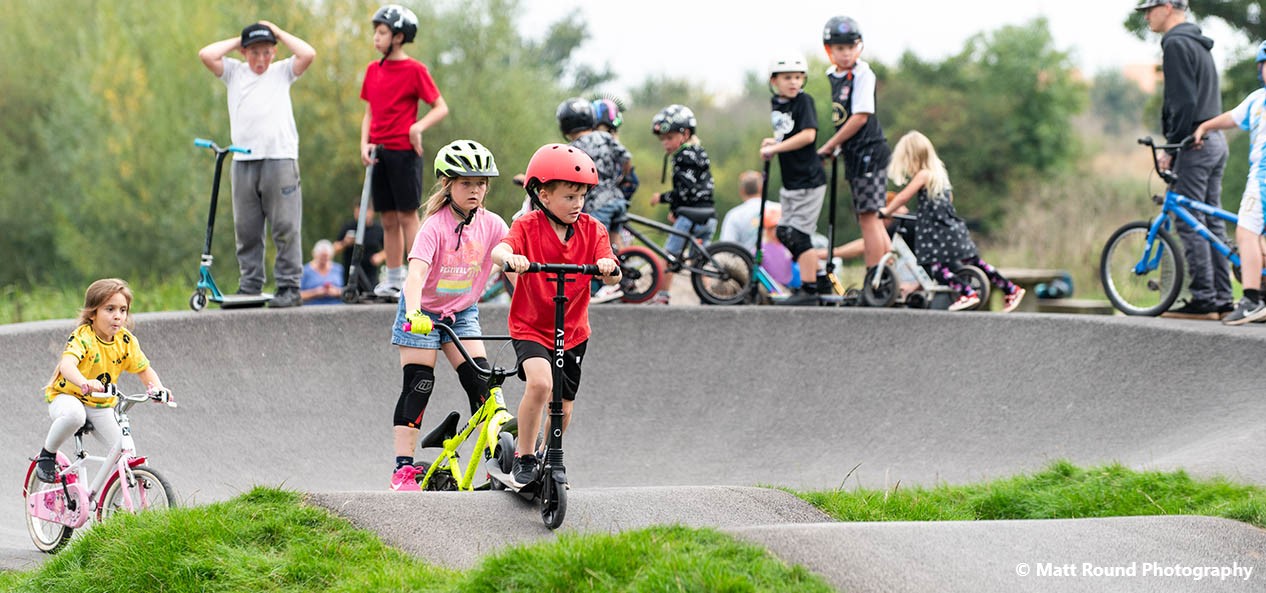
(718, 40)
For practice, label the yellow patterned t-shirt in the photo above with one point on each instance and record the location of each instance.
(100, 360)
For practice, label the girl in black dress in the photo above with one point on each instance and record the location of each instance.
(942, 242)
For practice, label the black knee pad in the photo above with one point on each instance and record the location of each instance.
(474, 382)
(794, 240)
(419, 381)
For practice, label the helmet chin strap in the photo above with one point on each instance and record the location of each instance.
(536, 203)
(464, 218)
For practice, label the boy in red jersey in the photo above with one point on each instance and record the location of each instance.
(392, 88)
(555, 232)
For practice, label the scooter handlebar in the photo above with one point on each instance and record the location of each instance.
(589, 269)
(204, 143)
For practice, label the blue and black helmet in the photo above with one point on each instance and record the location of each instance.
(841, 29)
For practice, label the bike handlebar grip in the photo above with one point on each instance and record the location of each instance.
(418, 322)
(203, 143)
(1188, 141)
(239, 149)
(590, 269)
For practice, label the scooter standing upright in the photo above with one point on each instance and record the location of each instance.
(206, 288)
(359, 289)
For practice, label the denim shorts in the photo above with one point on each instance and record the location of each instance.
(465, 323)
(675, 244)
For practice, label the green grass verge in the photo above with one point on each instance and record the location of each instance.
(267, 540)
(1061, 491)
(18, 305)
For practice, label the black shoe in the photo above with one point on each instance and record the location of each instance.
(800, 298)
(1226, 308)
(46, 468)
(824, 285)
(287, 296)
(1193, 310)
(524, 471)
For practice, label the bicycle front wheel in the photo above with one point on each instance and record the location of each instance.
(1148, 289)
(49, 537)
(144, 487)
(729, 280)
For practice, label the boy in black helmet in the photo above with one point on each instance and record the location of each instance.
(393, 87)
(858, 136)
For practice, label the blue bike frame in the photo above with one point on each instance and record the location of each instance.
(1179, 206)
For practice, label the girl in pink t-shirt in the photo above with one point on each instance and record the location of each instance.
(448, 267)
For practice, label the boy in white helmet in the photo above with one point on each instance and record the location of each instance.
(795, 121)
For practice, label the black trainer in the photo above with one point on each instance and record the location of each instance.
(46, 467)
(287, 296)
(800, 298)
(1193, 310)
(524, 471)
(1245, 312)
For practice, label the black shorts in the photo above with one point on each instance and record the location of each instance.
(397, 182)
(526, 349)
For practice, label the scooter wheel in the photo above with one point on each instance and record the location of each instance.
(198, 300)
(553, 503)
(350, 294)
(917, 300)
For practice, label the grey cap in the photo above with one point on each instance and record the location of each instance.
(1181, 4)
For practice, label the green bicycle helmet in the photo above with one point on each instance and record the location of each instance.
(465, 158)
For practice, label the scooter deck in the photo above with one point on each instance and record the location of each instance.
(242, 301)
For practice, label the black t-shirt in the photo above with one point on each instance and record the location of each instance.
(801, 168)
(373, 243)
(867, 151)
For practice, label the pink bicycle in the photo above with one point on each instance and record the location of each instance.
(122, 482)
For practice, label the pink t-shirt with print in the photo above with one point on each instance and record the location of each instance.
(459, 264)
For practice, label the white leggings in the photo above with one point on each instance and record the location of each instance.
(69, 414)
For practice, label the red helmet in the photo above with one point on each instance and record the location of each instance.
(560, 162)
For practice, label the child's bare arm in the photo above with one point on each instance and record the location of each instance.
(439, 110)
(69, 368)
(851, 126)
(916, 183)
(364, 137)
(801, 139)
(212, 56)
(304, 53)
(149, 377)
(1221, 122)
(503, 255)
(413, 284)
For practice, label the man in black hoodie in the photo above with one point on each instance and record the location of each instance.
(1192, 96)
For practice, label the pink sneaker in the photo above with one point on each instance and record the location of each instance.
(965, 302)
(405, 479)
(1011, 301)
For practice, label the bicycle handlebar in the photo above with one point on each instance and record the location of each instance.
(204, 143)
(457, 341)
(161, 396)
(1169, 176)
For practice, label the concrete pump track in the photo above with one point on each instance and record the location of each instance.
(686, 413)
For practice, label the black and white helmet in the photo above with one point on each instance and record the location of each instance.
(399, 19)
(575, 115)
(788, 63)
(842, 30)
(674, 118)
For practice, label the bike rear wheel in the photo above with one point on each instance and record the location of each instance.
(1152, 292)
(146, 488)
(642, 272)
(49, 537)
(729, 280)
(979, 281)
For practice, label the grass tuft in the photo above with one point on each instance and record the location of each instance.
(1061, 491)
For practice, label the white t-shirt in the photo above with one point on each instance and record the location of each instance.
(260, 114)
(740, 225)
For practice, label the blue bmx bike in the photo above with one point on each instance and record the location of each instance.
(1142, 267)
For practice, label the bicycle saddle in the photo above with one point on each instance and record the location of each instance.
(87, 428)
(698, 214)
(444, 431)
